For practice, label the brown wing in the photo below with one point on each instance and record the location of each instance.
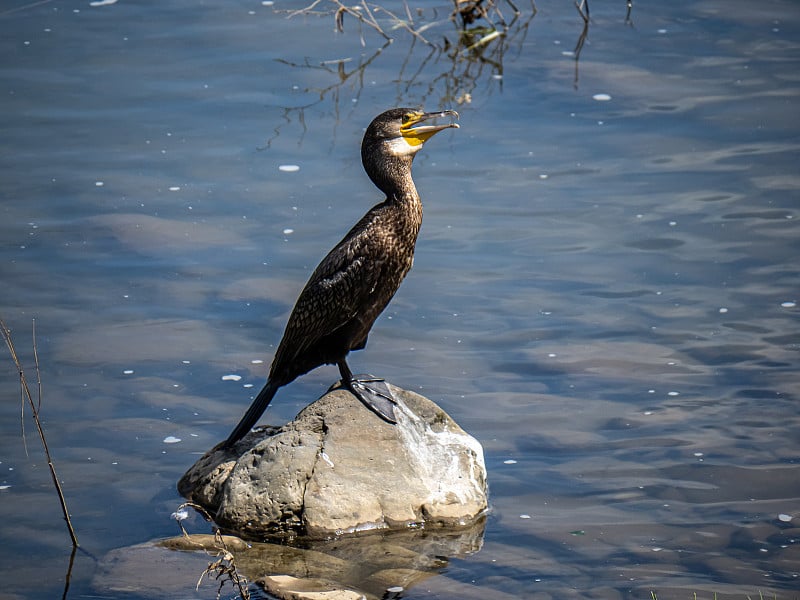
(335, 295)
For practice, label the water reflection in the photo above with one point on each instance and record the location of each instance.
(436, 74)
(370, 564)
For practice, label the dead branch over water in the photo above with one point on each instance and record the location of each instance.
(471, 50)
(469, 41)
(35, 406)
(467, 12)
(223, 569)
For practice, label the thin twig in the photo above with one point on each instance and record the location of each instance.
(584, 13)
(398, 22)
(515, 9)
(303, 11)
(27, 394)
(38, 371)
(68, 576)
(408, 11)
(224, 568)
(373, 22)
(24, 7)
(342, 9)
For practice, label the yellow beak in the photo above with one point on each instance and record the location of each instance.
(416, 135)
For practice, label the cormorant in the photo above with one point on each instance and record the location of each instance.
(357, 279)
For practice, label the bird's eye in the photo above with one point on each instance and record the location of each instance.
(407, 118)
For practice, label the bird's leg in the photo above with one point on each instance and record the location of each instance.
(372, 391)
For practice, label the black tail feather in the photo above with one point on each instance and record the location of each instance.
(253, 414)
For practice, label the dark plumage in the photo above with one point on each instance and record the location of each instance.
(357, 279)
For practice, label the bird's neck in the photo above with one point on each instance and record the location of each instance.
(405, 200)
(402, 190)
(392, 175)
(402, 202)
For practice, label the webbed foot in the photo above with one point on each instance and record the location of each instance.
(375, 394)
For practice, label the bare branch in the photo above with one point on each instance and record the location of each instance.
(407, 25)
(27, 394)
(583, 10)
(223, 569)
(304, 11)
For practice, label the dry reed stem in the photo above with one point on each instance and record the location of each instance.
(223, 569)
(26, 394)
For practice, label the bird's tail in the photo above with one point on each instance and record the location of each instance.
(253, 413)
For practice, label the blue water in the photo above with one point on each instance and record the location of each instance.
(604, 290)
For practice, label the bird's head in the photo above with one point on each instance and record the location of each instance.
(401, 131)
(394, 137)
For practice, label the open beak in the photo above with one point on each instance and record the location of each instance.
(416, 134)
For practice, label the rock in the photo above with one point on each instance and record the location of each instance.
(338, 468)
(204, 542)
(293, 588)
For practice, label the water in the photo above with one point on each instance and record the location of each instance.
(604, 291)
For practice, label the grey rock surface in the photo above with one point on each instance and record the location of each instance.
(338, 468)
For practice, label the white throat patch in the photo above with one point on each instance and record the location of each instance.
(400, 147)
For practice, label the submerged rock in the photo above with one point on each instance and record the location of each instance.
(294, 588)
(338, 468)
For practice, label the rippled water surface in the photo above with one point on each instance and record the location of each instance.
(604, 291)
